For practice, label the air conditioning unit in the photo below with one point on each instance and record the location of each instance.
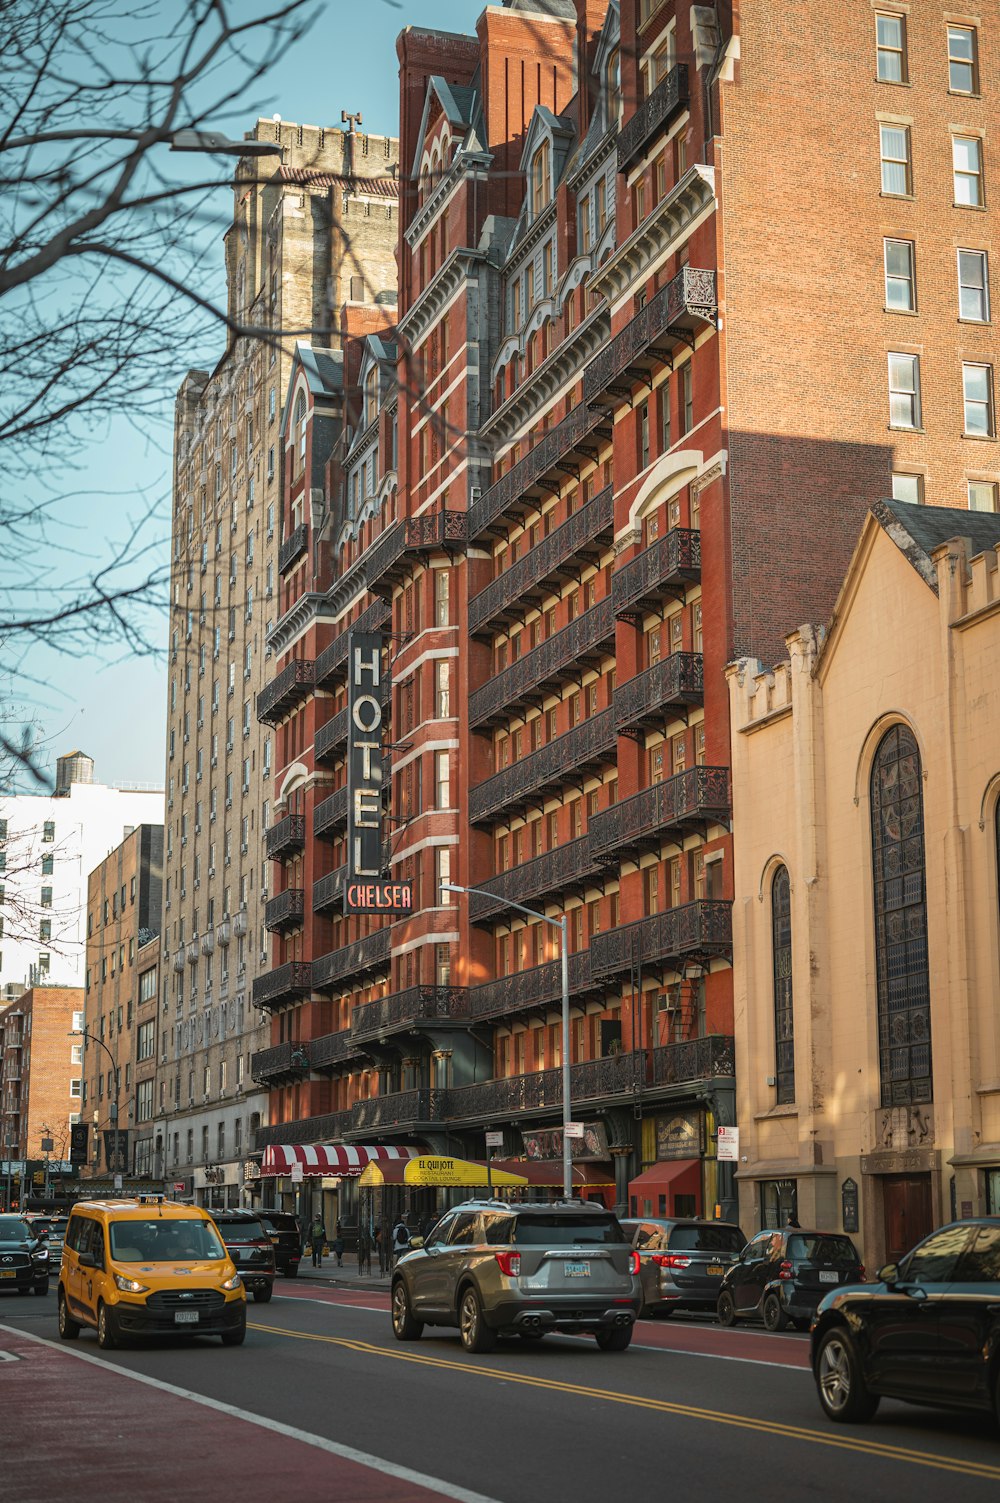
(197, 829)
(211, 871)
(475, 492)
(74, 1118)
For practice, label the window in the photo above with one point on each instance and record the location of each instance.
(643, 423)
(900, 293)
(781, 960)
(442, 691)
(540, 179)
(963, 62)
(46, 897)
(982, 496)
(973, 286)
(890, 35)
(442, 603)
(687, 399)
(442, 768)
(895, 141)
(967, 164)
(904, 391)
(907, 487)
(442, 873)
(977, 394)
(901, 969)
(49, 830)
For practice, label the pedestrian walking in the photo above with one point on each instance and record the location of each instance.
(338, 1243)
(317, 1240)
(400, 1238)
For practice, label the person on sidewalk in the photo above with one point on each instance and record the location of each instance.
(400, 1239)
(317, 1239)
(338, 1244)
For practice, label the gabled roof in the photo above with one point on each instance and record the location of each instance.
(557, 128)
(324, 374)
(918, 530)
(459, 103)
(562, 10)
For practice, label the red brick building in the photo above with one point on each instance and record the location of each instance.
(41, 1063)
(631, 446)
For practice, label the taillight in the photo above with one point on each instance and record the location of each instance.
(510, 1263)
(862, 1276)
(785, 1270)
(633, 1261)
(671, 1260)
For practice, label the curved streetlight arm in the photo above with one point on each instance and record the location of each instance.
(113, 1106)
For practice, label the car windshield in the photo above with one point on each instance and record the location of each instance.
(713, 1239)
(164, 1241)
(837, 1250)
(13, 1229)
(565, 1231)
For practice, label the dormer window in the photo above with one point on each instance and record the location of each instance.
(299, 422)
(540, 192)
(371, 395)
(613, 84)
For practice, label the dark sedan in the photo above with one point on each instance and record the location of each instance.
(928, 1331)
(780, 1277)
(24, 1257)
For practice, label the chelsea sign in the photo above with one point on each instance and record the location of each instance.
(365, 890)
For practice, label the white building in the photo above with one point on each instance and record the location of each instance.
(49, 844)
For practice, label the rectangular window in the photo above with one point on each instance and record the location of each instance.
(973, 286)
(900, 292)
(687, 399)
(442, 873)
(907, 487)
(977, 392)
(890, 34)
(46, 897)
(967, 162)
(963, 62)
(982, 495)
(442, 604)
(442, 766)
(895, 147)
(643, 420)
(442, 689)
(904, 391)
(49, 830)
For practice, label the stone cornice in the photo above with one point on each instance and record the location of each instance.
(566, 362)
(427, 309)
(311, 607)
(633, 260)
(464, 164)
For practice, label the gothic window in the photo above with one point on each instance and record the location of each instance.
(781, 949)
(901, 971)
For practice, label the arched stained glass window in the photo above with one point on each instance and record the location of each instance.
(781, 951)
(901, 968)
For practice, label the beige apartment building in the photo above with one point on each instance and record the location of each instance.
(866, 800)
(314, 228)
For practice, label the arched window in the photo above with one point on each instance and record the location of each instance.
(781, 952)
(901, 970)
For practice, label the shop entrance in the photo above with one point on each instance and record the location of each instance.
(907, 1208)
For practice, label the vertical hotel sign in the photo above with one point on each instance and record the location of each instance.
(365, 890)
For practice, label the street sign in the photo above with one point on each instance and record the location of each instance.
(494, 1140)
(729, 1144)
(179, 1187)
(574, 1129)
(296, 1174)
(48, 1144)
(118, 1181)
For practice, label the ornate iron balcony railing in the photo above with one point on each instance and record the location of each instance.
(329, 890)
(506, 494)
(614, 1076)
(288, 835)
(385, 559)
(285, 909)
(652, 335)
(331, 1127)
(654, 114)
(330, 812)
(283, 1061)
(295, 682)
(540, 985)
(331, 739)
(693, 930)
(581, 536)
(363, 957)
(395, 1109)
(284, 984)
(566, 868)
(416, 1004)
(546, 665)
(698, 1059)
(293, 547)
(691, 799)
(332, 1049)
(333, 659)
(641, 701)
(665, 567)
(588, 746)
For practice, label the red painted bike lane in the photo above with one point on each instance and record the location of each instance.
(66, 1414)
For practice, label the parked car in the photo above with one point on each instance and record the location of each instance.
(250, 1248)
(492, 1268)
(286, 1239)
(926, 1330)
(780, 1277)
(682, 1261)
(24, 1257)
(54, 1241)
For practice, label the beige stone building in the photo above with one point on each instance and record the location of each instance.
(314, 228)
(866, 801)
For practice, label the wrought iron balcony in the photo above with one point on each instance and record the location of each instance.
(519, 587)
(584, 641)
(690, 800)
(585, 749)
(641, 702)
(329, 1128)
(653, 116)
(577, 433)
(285, 1062)
(698, 1059)
(569, 868)
(331, 813)
(347, 967)
(330, 744)
(593, 1080)
(295, 682)
(402, 1109)
(652, 336)
(693, 931)
(286, 837)
(666, 567)
(408, 1009)
(293, 547)
(386, 561)
(333, 659)
(328, 891)
(333, 1049)
(284, 984)
(538, 987)
(285, 910)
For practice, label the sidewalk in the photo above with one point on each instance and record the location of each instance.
(345, 1277)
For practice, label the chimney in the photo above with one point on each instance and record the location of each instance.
(590, 16)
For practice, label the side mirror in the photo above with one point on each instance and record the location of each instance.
(888, 1273)
(87, 1260)
(415, 1242)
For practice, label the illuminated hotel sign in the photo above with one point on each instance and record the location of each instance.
(365, 890)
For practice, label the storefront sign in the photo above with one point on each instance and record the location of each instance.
(364, 759)
(78, 1135)
(435, 1170)
(380, 896)
(849, 1205)
(547, 1142)
(680, 1136)
(116, 1150)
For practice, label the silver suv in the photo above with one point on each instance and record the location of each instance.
(491, 1268)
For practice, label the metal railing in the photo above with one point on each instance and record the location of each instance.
(283, 984)
(688, 298)
(696, 795)
(293, 547)
(415, 1004)
(328, 1128)
(568, 866)
(286, 907)
(588, 745)
(546, 664)
(667, 99)
(538, 986)
(333, 658)
(439, 529)
(677, 680)
(361, 957)
(289, 834)
(295, 681)
(547, 453)
(672, 560)
(701, 928)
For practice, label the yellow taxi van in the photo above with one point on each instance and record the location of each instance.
(148, 1267)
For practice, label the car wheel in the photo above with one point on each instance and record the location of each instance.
(262, 1296)
(237, 1337)
(292, 1271)
(69, 1329)
(725, 1310)
(107, 1329)
(405, 1325)
(42, 1288)
(475, 1333)
(617, 1340)
(843, 1392)
(775, 1318)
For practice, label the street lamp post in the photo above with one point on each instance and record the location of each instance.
(561, 925)
(86, 1035)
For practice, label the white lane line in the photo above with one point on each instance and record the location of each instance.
(332, 1447)
(330, 1304)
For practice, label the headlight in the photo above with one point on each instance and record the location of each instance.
(234, 1283)
(40, 1252)
(130, 1286)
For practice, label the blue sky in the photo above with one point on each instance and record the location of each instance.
(111, 705)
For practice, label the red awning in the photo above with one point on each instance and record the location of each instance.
(681, 1176)
(549, 1172)
(661, 1175)
(319, 1160)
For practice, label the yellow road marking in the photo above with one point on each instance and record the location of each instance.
(876, 1448)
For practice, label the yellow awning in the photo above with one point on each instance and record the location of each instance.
(431, 1169)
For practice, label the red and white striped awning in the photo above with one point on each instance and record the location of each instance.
(319, 1160)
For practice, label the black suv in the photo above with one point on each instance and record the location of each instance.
(250, 1248)
(927, 1330)
(286, 1239)
(682, 1262)
(24, 1257)
(780, 1277)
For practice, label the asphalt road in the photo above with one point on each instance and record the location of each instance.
(708, 1413)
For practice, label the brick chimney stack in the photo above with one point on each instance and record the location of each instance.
(590, 16)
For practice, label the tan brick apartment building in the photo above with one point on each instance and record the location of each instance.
(313, 229)
(650, 374)
(40, 1070)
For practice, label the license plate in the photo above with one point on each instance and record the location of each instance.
(185, 1317)
(7, 1273)
(829, 1276)
(275, 1240)
(716, 1268)
(577, 1270)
